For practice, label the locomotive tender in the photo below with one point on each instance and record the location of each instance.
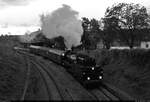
(82, 67)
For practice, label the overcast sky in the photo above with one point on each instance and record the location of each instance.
(26, 12)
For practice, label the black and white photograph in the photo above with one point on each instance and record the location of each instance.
(75, 50)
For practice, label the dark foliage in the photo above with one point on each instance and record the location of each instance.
(91, 33)
(126, 22)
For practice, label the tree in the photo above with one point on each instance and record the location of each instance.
(85, 36)
(125, 20)
(91, 31)
(95, 32)
(109, 31)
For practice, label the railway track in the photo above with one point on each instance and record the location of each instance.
(27, 77)
(116, 92)
(65, 92)
(71, 90)
(106, 93)
(50, 84)
(109, 94)
(53, 90)
(100, 94)
(64, 95)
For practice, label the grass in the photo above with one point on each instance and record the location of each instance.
(12, 70)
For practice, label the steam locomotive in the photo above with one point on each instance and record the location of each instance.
(82, 67)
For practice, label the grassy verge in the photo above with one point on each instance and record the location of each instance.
(13, 70)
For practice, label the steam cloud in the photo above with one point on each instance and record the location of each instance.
(63, 22)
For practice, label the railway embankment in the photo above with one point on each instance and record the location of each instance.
(128, 70)
(12, 70)
(13, 73)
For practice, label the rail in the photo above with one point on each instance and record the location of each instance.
(27, 78)
(46, 76)
(102, 93)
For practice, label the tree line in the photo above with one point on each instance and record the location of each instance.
(125, 23)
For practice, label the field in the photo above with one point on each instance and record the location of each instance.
(128, 70)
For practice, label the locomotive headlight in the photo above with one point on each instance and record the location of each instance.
(63, 54)
(100, 77)
(88, 78)
(93, 68)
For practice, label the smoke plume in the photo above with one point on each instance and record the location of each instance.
(63, 22)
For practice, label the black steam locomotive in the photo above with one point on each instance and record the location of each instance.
(82, 67)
